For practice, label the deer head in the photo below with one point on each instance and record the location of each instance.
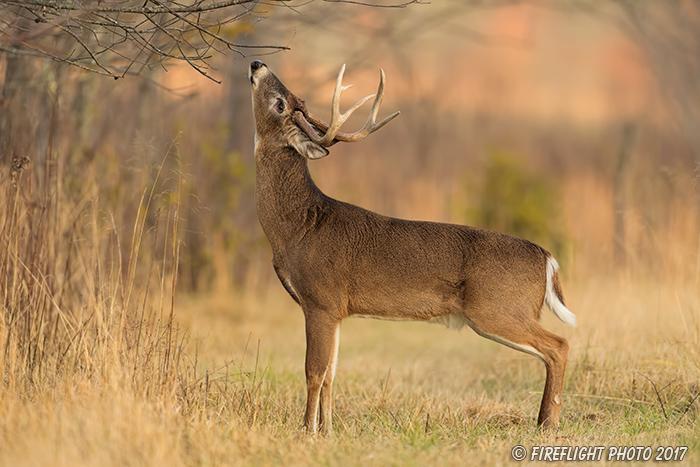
(281, 118)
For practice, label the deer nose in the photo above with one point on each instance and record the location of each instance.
(255, 65)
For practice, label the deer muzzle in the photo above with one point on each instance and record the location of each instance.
(256, 69)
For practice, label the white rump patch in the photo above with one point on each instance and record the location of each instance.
(550, 296)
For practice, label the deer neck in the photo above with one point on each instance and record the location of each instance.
(285, 196)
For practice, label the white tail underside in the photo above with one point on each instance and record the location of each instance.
(550, 296)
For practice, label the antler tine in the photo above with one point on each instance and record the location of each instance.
(386, 120)
(371, 124)
(380, 96)
(337, 118)
(333, 125)
(331, 133)
(356, 106)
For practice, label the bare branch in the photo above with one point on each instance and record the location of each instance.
(114, 36)
(380, 5)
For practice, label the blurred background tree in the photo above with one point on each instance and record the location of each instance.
(552, 85)
(518, 201)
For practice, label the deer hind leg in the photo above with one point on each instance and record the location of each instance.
(530, 337)
(321, 333)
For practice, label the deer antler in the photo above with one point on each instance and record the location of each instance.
(331, 131)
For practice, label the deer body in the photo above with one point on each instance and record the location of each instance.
(337, 260)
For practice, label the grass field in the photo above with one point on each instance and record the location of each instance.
(406, 393)
(141, 323)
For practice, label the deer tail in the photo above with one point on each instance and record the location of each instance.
(553, 296)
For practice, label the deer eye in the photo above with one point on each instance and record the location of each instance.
(279, 105)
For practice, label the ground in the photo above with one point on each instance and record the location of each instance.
(406, 393)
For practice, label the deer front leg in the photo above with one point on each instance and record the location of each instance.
(327, 386)
(321, 336)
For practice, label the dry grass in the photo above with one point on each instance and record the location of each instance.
(97, 368)
(407, 393)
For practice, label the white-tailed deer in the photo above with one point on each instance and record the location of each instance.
(338, 260)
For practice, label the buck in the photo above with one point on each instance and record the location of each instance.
(338, 260)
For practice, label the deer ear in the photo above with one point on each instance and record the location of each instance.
(303, 144)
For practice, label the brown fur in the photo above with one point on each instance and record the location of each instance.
(337, 260)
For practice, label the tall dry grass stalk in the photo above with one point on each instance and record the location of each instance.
(79, 305)
(94, 367)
